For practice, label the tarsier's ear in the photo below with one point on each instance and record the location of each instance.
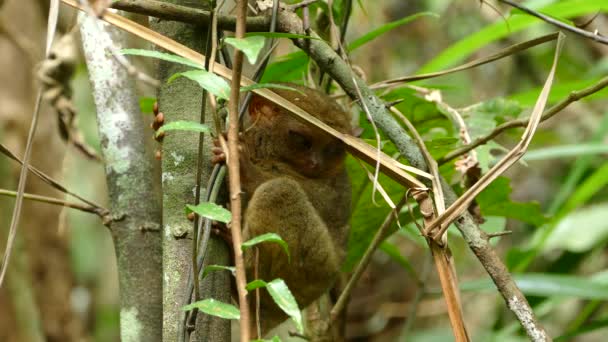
(260, 108)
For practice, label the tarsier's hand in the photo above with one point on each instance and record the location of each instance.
(159, 121)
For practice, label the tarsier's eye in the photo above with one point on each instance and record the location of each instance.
(299, 140)
(334, 150)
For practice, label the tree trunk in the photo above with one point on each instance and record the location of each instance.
(182, 100)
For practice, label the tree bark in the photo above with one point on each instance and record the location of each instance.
(182, 100)
(134, 204)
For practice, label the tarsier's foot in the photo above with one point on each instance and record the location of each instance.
(159, 121)
(218, 156)
(222, 231)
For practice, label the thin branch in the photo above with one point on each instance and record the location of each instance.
(584, 33)
(16, 216)
(167, 11)
(572, 97)
(234, 175)
(58, 201)
(47, 179)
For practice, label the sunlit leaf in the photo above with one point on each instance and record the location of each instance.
(163, 56)
(284, 299)
(251, 46)
(208, 81)
(211, 211)
(215, 308)
(268, 237)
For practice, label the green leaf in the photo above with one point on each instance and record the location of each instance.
(547, 285)
(495, 201)
(269, 86)
(588, 188)
(284, 299)
(163, 56)
(581, 230)
(441, 146)
(183, 126)
(211, 268)
(208, 81)
(215, 308)
(565, 151)
(385, 28)
(286, 68)
(268, 237)
(211, 211)
(501, 29)
(251, 46)
(483, 117)
(146, 104)
(255, 284)
(281, 295)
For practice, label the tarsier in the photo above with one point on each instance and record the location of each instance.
(295, 185)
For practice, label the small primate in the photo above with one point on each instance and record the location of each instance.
(295, 185)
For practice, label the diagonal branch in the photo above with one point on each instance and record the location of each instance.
(583, 33)
(549, 113)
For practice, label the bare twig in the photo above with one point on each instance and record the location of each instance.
(16, 216)
(47, 179)
(442, 256)
(497, 234)
(583, 33)
(234, 175)
(572, 97)
(58, 201)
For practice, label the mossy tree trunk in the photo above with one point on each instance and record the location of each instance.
(182, 100)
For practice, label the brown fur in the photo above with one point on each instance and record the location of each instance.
(296, 186)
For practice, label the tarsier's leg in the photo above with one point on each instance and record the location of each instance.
(281, 206)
